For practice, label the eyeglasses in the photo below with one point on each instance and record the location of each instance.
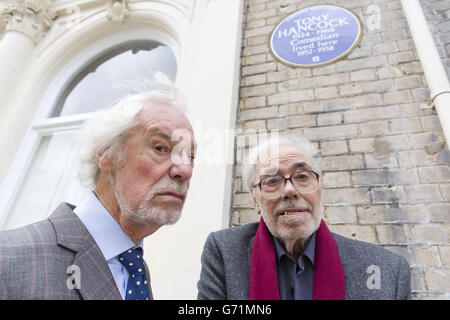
(305, 182)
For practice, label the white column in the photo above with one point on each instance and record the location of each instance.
(433, 68)
(26, 24)
(14, 50)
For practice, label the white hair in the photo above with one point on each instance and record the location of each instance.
(275, 141)
(104, 136)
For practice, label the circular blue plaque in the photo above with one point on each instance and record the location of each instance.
(316, 36)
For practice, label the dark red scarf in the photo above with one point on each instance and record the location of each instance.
(329, 277)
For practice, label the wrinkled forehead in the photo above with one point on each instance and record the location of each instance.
(164, 122)
(281, 160)
(162, 116)
(154, 111)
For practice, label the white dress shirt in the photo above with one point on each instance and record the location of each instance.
(109, 236)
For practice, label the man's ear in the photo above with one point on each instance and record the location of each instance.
(104, 161)
(258, 210)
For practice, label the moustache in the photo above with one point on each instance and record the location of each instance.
(179, 190)
(291, 204)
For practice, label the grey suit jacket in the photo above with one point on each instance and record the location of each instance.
(227, 255)
(34, 261)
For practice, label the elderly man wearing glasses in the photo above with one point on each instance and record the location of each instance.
(290, 254)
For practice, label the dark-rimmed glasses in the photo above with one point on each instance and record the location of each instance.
(305, 181)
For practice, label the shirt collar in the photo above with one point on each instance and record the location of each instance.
(310, 250)
(107, 233)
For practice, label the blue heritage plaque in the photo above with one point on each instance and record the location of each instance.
(316, 36)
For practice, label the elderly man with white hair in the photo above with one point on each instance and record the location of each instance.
(290, 254)
(138, 159)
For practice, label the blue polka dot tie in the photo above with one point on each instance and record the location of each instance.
(137, 287)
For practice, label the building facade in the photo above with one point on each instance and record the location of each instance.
(382, 148)
(383, 154)
(60, 63)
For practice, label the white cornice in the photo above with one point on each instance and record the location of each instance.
(185, 6)
(35, 17)
(30, 17)
(117, 10)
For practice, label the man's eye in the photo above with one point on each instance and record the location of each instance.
(271, 181)
(302, 176)
(161, 148)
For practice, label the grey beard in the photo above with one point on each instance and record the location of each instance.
(145, 214)
(308, 227)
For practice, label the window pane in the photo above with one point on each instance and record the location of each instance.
(98, 88)
(50, 180)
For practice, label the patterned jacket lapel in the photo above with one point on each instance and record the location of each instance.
(96, 280)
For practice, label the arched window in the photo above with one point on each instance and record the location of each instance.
(93, 87)
(49, 176)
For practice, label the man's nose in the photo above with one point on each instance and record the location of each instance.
(289, 190)
(181, 172)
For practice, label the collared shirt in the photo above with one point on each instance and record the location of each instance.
(296, 278)
(109, 236)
